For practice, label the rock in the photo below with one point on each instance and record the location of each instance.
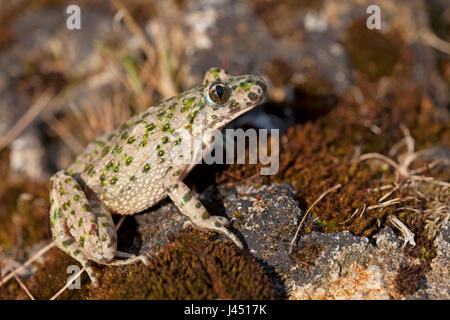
(346, 266)
(264, 219)
(322, 266)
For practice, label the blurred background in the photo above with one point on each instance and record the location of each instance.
(336, 90)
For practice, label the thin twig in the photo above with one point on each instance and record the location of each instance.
(38, 106)
(385, 204)
(432, 40)
(387, 195)
(407, 234)
(63, 132)
(122, 219)
(78, 274)
(354, 213)
(22, 285)
(307, 211)
(378, 156)
(134, 28)
(29, 261)
(430, 180)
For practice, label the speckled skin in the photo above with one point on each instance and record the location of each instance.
(132, 168)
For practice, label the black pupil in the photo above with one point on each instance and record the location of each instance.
(220, 91)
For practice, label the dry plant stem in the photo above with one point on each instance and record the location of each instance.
(407, 234)
(353, 214)
(386, 187)
(76, 276)
(385, 204)
(29, 261)
(61, 130)
(432, 40)
(22, 285)
(38, 106)
(134, 28)
(309, 209)
(430, 180)
(387, 195)
(378, 156)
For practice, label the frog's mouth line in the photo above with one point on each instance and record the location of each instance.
(222, 122)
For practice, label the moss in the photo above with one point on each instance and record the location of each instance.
(409, 278)
(192, 267)
(27, 222)
(307, 253)
(372, 52)
(49, 278)
(270, 12)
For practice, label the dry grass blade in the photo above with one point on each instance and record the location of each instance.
(38, 106)
(69, 282)
(22, 285)
(380, 157)
(407, 234)
(62, 131)
(431, 180)
(134, 28)
(307, 211)
(432, 40)
(29, 261)
(385, 204)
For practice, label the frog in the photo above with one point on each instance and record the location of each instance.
(134, 167)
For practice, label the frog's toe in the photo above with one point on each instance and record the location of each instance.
(91, 275)
(144, 259)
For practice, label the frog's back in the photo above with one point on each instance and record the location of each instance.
(125, 167)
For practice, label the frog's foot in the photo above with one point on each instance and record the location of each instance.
(131, 258)
(217, 224)
(81, 227)
(72, 248)
(199, 217)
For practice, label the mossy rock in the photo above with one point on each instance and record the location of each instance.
(192, 267)
(195, 265)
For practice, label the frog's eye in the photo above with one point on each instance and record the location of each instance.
(219, 93)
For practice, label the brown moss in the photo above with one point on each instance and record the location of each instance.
(372, 52)
(28, 222)
(192, 267)
(409, 278)
(51, 276)
(307, 253)
(270, 12)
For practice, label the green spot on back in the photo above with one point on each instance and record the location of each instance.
(105, 151)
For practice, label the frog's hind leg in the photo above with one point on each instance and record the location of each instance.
(199, 217)
(80, 227)
(67, 243)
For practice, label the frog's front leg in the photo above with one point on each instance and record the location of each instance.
(199, 217)
(82, 227)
